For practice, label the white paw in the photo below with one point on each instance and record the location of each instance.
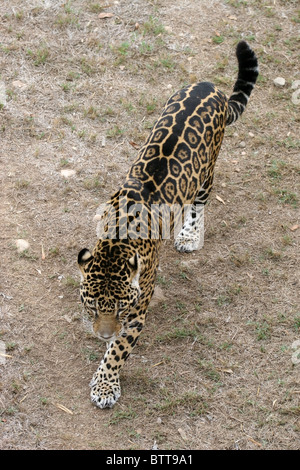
(186, 245)
(105, 394)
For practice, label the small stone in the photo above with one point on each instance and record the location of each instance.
(251, 134)
(295, 84)
(2, 94)
(279, 81)
(158, 296)
(296, 97)
(22, 245)
(3, 354)
(19, 84)
(242, 144)
(67, 318)
(67, 173)
(159, 420)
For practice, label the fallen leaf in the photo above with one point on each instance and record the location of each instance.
(5, 355)
(294, 227)
(63, 408)
(134, 145)
(43, 253)
(254, 442)
(218, 198)
(227, 371)
(182, 434)
(105, 15)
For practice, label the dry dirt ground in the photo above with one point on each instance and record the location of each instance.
(217, 366)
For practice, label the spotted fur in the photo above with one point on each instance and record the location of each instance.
(175, 166)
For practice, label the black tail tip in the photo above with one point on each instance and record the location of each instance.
(246, 57)
(242, 46)
(243, 50)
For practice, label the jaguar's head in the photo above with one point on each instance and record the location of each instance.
(109, 289)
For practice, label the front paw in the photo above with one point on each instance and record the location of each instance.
(187, 245)
(105, 392)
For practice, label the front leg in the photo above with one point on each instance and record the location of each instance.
(191, 236)
(105, 383)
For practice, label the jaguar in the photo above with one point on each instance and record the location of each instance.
(174, 168)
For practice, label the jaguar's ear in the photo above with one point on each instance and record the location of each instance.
(135, 267)
(133, 262)
(84, 256)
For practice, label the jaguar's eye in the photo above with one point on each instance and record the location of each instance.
(92, 310)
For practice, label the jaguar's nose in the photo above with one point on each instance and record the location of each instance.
(106, 337)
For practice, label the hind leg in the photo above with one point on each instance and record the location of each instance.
(191, 236)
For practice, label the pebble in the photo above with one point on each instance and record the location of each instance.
(67, 173)
(243, 144)
(295, 84)
(2, 352)
(158, 296)
(19, 84)
(22, 245)
(279, 81)
(2, 94)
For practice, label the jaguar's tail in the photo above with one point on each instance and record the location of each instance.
(248, 73)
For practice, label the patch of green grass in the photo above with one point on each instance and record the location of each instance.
(237, 3)
(27, 255)
(151, 105)
(275, 171)
(44, 401)
(286, 197)
(88, 66)
(209, 371)
(262, 330)
(297, 323)
(91, 183)
(270, 253)
(289, 143)
(96, 7)
(114, 132)
(11, 346)
(177, 333)
(40, 56)
(167, 62)
(146, 48)
(223, 300)
(161, 280)
(121, 415)
(91, 112)
(9, 411)
(153, 27)
(71, 282)
(218, 39)
(190, 400)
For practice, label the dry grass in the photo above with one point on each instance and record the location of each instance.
(213, 369)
